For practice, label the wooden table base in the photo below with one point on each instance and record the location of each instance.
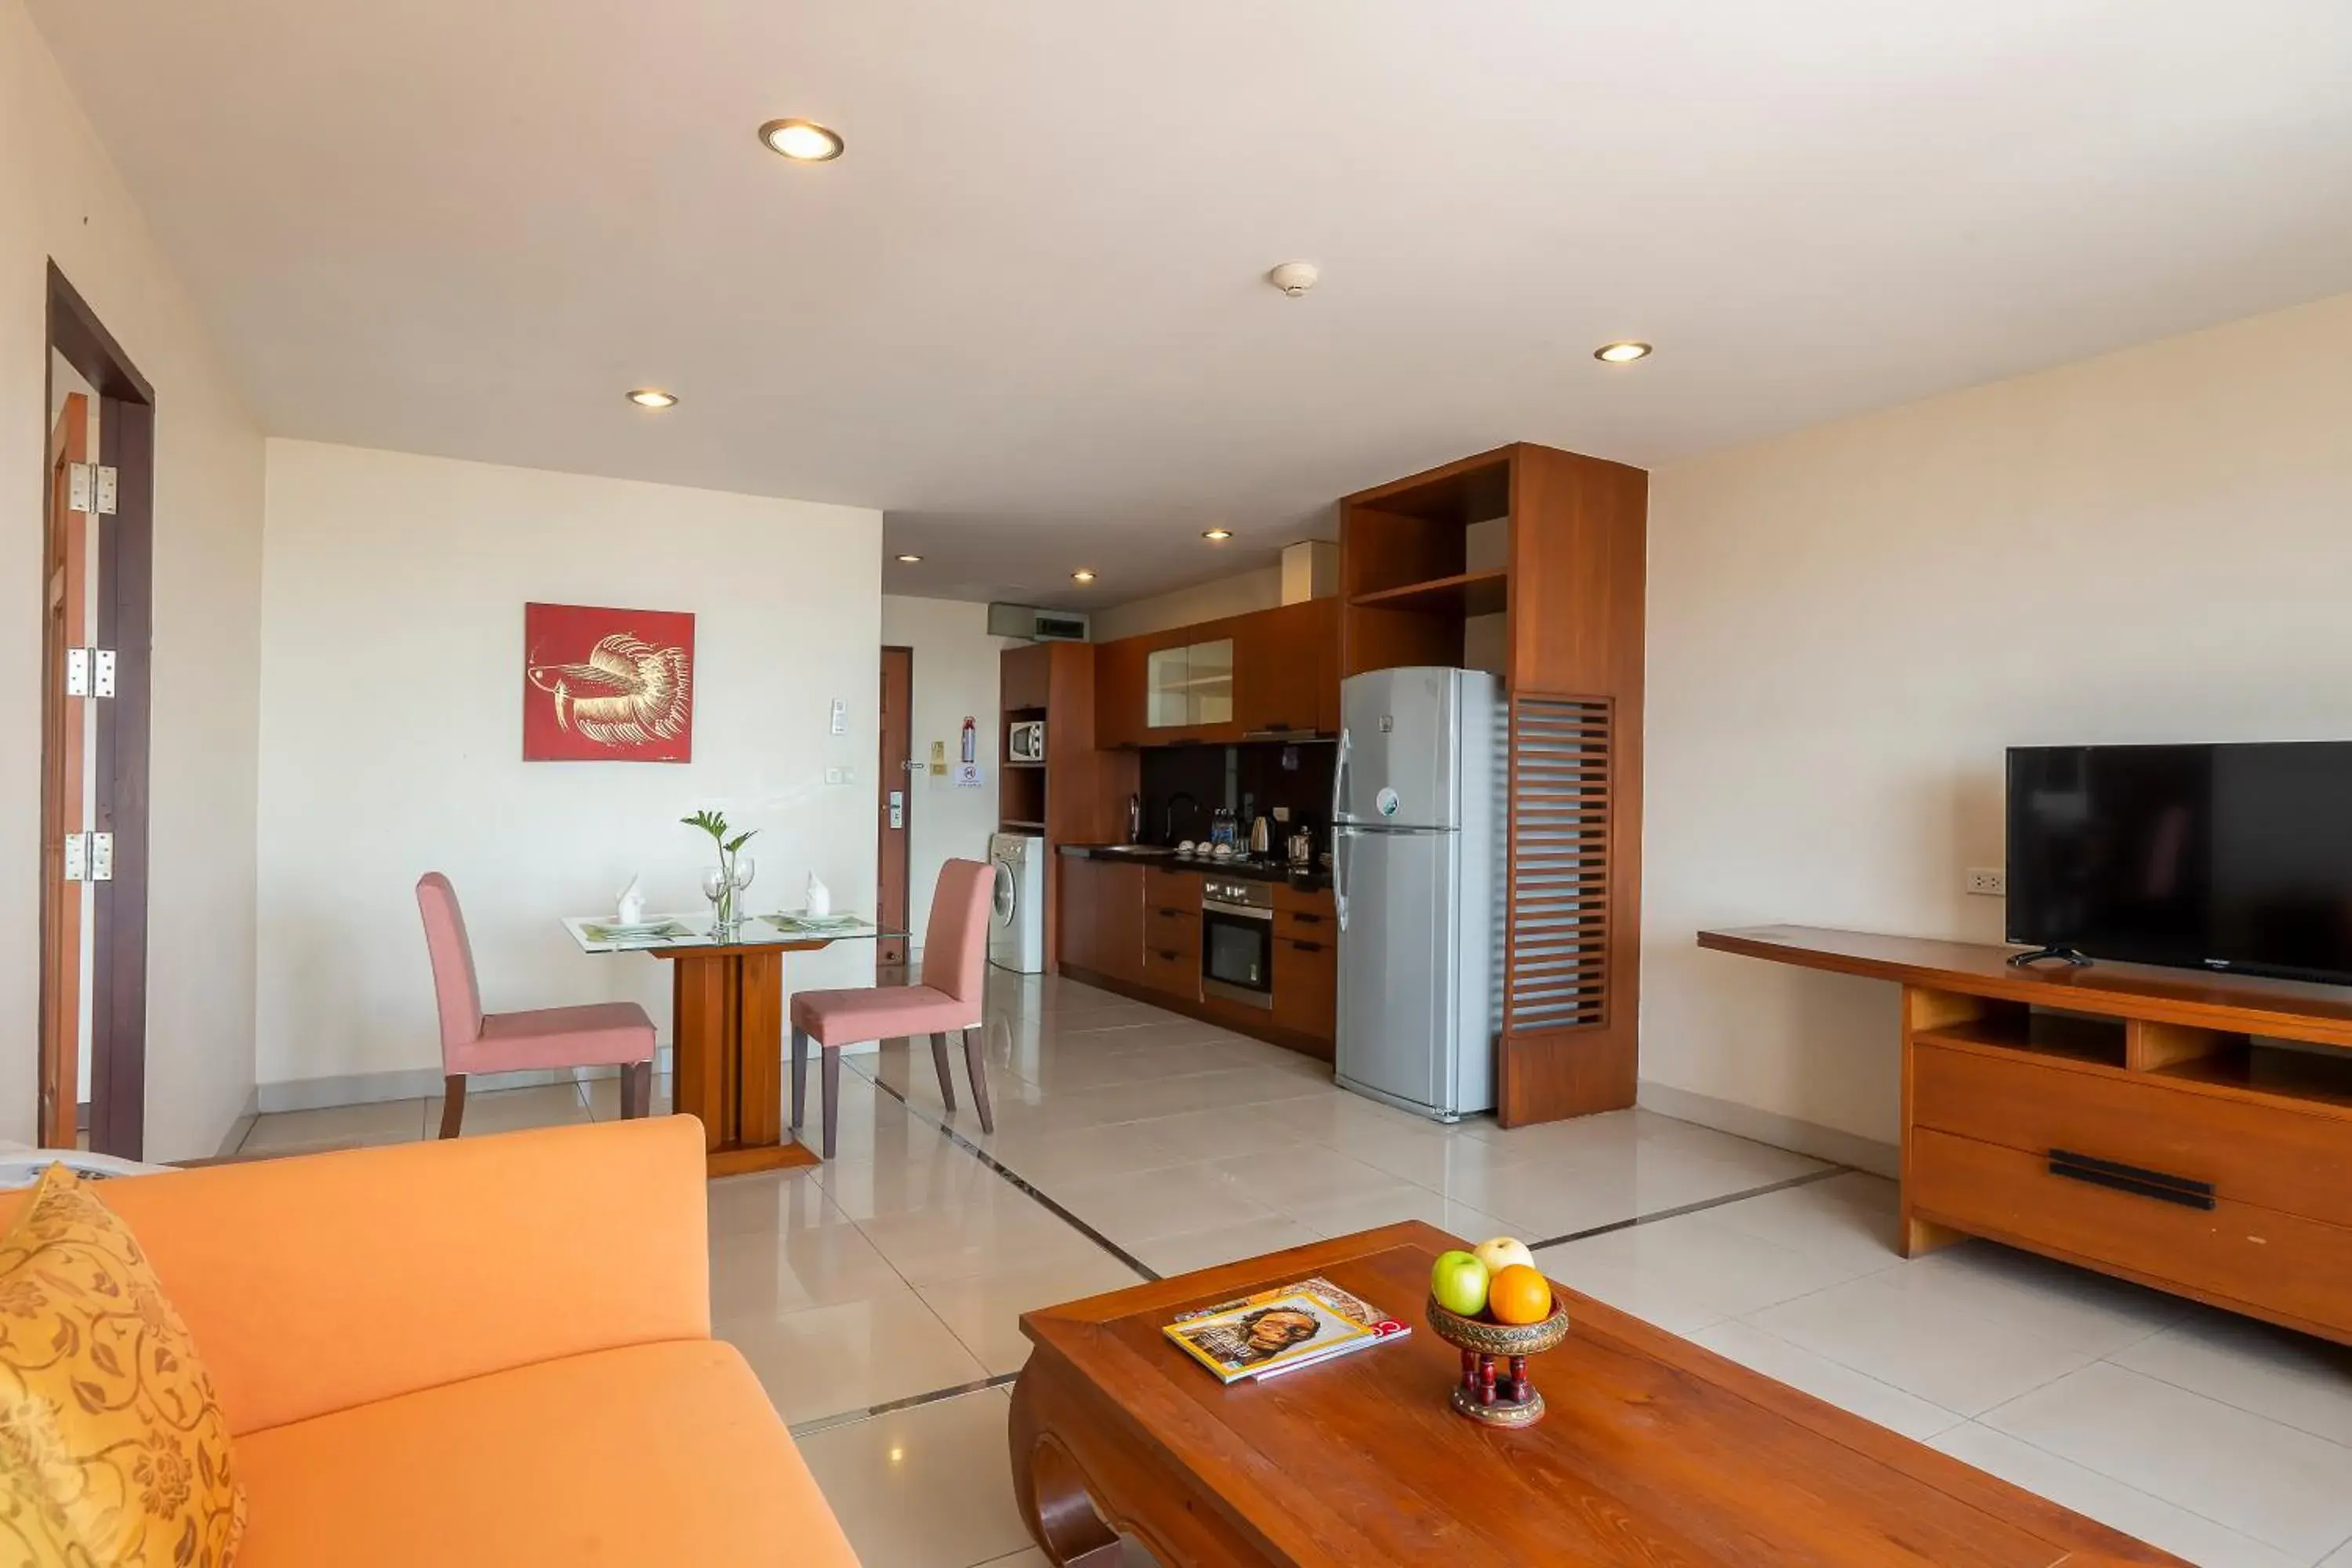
(727, 1031)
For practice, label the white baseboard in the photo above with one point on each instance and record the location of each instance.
(1770, 1127)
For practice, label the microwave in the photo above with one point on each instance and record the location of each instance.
(1026, 742)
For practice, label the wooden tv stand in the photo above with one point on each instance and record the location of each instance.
(2189, 1130)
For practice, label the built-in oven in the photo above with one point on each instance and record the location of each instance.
(1237, 941)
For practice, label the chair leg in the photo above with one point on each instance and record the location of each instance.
(831, 1077)
(800, 1074)
(636, 1090)
(947, 1079)
(453, 1103)
(978, 1072)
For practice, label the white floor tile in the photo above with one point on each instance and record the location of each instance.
(339, 1127)
(1846, 1220)
(1645, 1295)
(2284, 1487)
(984, 1311)
(1827, 1381)
(1947, 1353)
(2111, 1502)
(1284, 1179)
(514, 1110)
(1393, 1205)
(1143, 1205)
(2291, 1378)
(1728, 1271)
(1188, 1250)
(825, 1361)
(929, 1487)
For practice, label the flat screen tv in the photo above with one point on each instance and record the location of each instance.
(2227, 856)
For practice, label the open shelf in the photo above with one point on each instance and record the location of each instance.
(2072, 1037)
(1018, 826)
(1464, 594)
(2323, 1075)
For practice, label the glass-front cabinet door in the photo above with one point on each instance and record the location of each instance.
(1189, 686)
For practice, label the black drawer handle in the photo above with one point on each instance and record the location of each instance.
(1306, 919)
(2133, 1179)
(1308, 946)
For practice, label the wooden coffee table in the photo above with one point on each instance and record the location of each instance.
(1655, 1451)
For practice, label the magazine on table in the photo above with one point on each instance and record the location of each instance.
(1279, 1331)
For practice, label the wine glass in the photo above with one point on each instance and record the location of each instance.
(745, 869)
(717, 888)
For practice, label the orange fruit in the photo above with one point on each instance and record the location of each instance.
(1519, 1295)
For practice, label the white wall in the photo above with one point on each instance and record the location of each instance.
(1847, 626)
(1236, 596)
(391, 741)
(60, 197)
(956, 673)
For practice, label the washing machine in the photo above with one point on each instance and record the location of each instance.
(1016, 927)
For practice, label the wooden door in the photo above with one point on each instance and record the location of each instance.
(895, 803)
(65, 574)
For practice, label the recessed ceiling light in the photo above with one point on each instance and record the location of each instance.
(653, 397)
(1621, 353)
(801, 141)
(1082, 576)
(910, 559)
(1219, 534)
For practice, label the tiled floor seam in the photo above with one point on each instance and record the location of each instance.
(2132, 1487)
(2219, 1399)
(1026, 1186)
(1677, 1212)
(803, 1429)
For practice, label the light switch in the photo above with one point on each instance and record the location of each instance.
(840, 717)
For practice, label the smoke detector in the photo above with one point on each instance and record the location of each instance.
(1294, 278)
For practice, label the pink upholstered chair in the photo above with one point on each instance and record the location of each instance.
(602, 1033)
(955, 964)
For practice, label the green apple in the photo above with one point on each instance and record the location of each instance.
(1458, 1283)
(1498, 1253)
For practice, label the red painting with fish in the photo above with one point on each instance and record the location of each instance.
(607, 686)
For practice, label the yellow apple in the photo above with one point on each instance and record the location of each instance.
(1498, 1253)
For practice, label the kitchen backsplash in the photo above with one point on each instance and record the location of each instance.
(1252, 778)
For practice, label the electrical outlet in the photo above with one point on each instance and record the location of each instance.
(1992, 881)
(840, 775)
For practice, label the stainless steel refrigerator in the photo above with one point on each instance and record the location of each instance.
(1417, 816)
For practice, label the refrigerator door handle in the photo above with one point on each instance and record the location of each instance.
(1339, 875)
(1339, 781)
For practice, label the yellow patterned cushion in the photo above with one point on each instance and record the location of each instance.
(112, 1449)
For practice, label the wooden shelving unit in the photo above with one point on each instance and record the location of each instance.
(1078, 793)
(1569, 593)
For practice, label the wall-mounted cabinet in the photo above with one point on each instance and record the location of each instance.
(1220, 681)
(1189, 686)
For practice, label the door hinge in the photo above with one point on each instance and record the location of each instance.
(89, 857)
(90, 487)
(89, 672)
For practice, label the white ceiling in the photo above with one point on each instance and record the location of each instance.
(1025, 313)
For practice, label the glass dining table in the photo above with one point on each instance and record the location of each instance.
(727, 1020)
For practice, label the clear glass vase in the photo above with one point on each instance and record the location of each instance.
(723, 885)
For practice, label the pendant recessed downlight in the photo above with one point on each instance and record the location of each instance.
(1082, 576)
(1218, 535)
(801, 141)
(910, 559)
(1621, 353)
(653, 397)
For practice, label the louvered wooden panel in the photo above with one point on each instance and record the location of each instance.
(1556, 967)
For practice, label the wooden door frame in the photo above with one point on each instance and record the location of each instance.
(904, 781)
(126, 433)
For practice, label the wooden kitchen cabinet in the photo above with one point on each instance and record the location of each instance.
(1119, 673)
(1217, 681)
(1283, 661)
(1307, 984)
(1102, 917)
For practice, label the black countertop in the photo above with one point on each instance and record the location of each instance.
(1306, 879)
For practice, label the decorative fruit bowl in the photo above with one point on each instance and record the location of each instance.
(1507, 1399)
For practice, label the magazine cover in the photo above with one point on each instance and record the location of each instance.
(1280, 1329)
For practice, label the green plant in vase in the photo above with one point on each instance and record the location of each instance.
(733, 873)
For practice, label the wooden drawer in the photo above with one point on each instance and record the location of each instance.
(2248, 1150)
(1181, 890)
(1305, 984)
(2276, 1264)
(1300, 900)
(1175, 970)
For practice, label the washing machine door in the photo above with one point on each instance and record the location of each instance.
(1007, 897)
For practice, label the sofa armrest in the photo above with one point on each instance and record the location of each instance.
(317, 1283)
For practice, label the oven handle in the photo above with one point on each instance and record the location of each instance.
(1240, 911)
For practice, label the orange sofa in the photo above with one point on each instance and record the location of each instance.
(492, 1352)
